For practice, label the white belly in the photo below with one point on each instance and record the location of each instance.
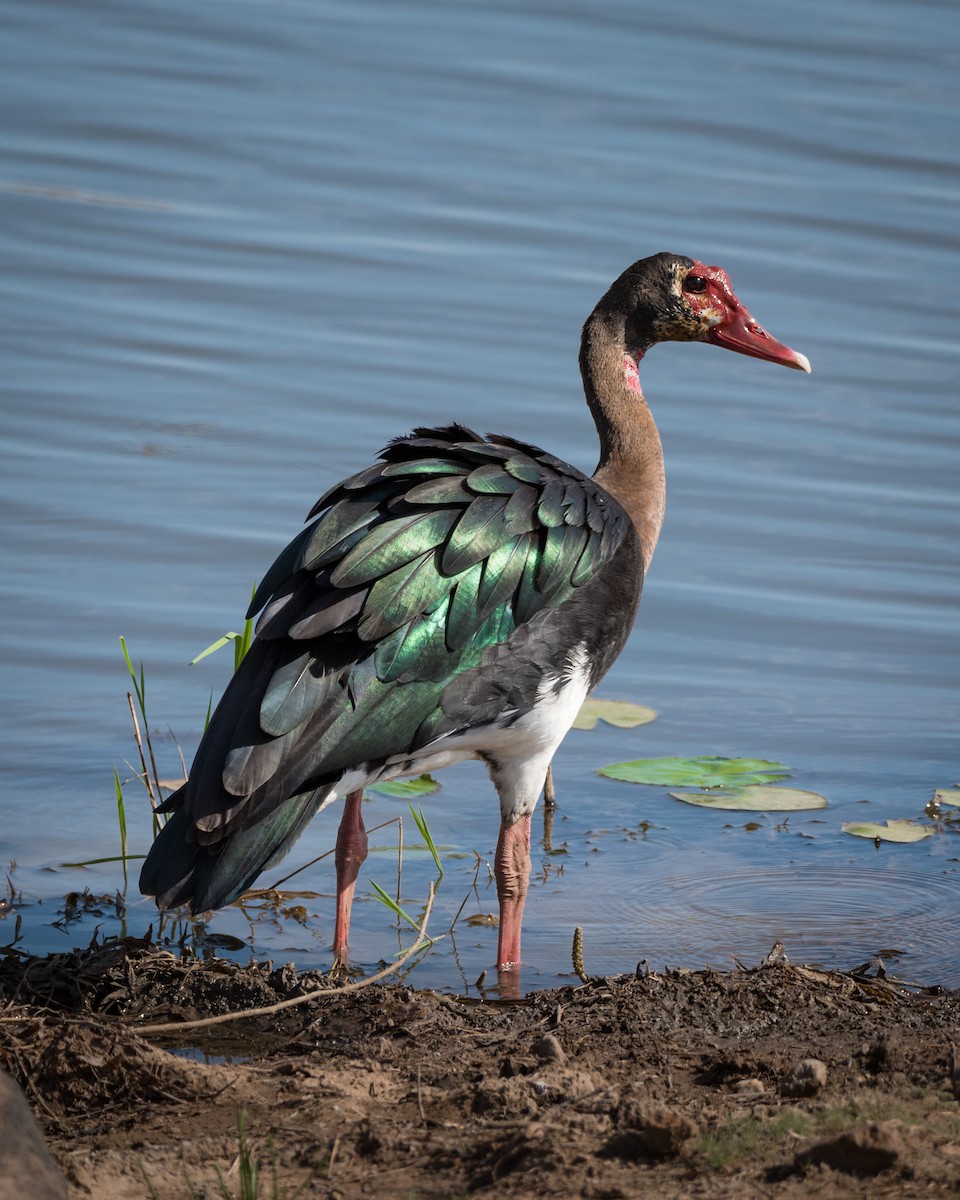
(517, 749)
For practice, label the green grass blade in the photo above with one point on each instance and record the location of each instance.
(242, 644)
(139, 681)
(138, 684)
(222, 1183)
(423, 944)
(122, 818)
(148, 1181)
(393, 905)
(249, 1189)
(232, 636)
(241, 641)
(121, 815)
(421, 820)
(92, 862)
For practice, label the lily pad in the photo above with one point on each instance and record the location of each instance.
(620, 713)
(889, 831)
(406, 789)
(757, 798)
(701, 772)
(949, 796)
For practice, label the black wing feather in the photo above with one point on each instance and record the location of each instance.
(428, 587)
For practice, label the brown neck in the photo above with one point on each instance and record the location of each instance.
(631, 457)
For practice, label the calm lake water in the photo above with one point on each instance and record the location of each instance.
(246, 243)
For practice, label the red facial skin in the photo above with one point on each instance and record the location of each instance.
(731, 325)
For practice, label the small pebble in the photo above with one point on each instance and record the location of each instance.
(805, 1078)
(649, 1129)
(548, 1049)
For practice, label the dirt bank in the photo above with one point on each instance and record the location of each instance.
(677, 1084)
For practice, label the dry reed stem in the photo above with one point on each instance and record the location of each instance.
(154, 799)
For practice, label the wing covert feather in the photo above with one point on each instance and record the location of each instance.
(409, 573)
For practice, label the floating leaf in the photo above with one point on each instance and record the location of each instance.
(754, 799)
(620, 713)
(890, 831)
(949, 796)
(702, 772)
(487, 920)
(423, 785)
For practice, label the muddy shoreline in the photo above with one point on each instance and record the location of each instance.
(776, 1080)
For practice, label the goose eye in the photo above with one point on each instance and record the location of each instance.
(694, 283)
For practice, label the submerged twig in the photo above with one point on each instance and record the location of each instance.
(471, 888)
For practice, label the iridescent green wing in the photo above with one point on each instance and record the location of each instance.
(407, 574)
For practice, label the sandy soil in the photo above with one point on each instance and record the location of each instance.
(683, 1084)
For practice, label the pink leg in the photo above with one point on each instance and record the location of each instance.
(351, 851)
(512, 871)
